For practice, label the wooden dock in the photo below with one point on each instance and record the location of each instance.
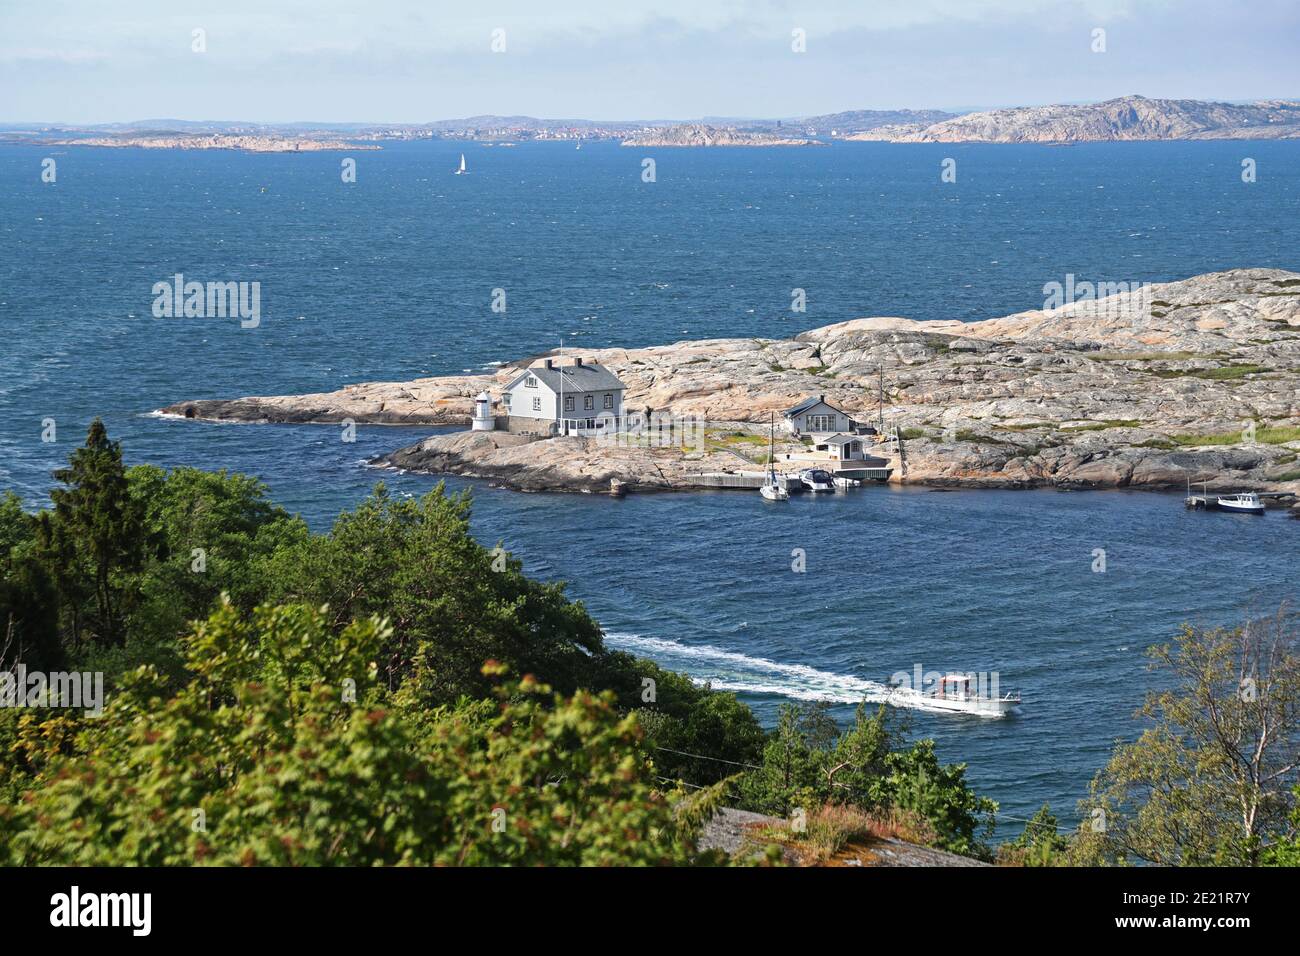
(753, 480)
(744, 480)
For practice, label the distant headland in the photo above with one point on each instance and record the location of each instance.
(1127, 118)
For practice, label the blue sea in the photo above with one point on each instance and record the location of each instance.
(392, 277)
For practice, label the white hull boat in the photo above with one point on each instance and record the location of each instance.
(1246, 504)
(772, 489)
(955, 694)
(815, 479)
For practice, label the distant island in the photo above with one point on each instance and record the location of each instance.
(700, 134)
(1127, 118)
(248, 143)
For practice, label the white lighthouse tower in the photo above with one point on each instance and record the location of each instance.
(484, 421)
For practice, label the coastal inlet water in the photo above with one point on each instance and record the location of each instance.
(392, 277)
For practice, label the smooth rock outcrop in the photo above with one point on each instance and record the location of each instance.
(1193, 380)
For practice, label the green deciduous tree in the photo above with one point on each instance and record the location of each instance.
(1040, 844)
(1209, 781)
(284, 749)
(453, 603)
(808, 762)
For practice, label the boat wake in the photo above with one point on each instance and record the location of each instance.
(742, 674)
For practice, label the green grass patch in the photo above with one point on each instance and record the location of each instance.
(966, 435)
(737, 438)
(1264, 436)
(1103, 425)
(1224, 373)
(1145, 356)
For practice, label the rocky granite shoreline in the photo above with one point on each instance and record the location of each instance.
(1196, 380)
(1124, 119)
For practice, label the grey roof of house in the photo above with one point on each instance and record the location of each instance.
(587, 377)
(806, 404)
(840, 439)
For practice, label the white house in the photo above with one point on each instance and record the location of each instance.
(813, 416)
(579, 398)
(842, 447)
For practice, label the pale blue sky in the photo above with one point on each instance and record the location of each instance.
(407, 61)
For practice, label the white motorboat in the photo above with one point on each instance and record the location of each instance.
(842, 482)
(1247, 503)
(954, 693)
(817, 479)
(771, 489)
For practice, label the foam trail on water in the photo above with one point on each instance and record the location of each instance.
(742, 674)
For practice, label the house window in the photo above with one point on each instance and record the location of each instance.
(609, 400)
(537, 404)
(568, 403)
(821, 423)
(589, 402)
(530, 382)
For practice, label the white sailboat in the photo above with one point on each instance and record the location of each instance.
(771, 489)
(462, 170)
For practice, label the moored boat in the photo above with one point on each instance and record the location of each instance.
(817, 479)
(1247, 503)
(772, 489)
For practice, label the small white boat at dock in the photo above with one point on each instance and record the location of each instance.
(817, 479)
(1243, 502)
(1246, 503)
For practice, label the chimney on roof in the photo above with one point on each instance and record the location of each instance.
(550, 363)
(578, 360)
(821, 398)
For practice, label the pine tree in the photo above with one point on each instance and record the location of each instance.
(94, 538)
(29, 628)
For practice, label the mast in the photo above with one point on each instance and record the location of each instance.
(881, 369)
(771, 447)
